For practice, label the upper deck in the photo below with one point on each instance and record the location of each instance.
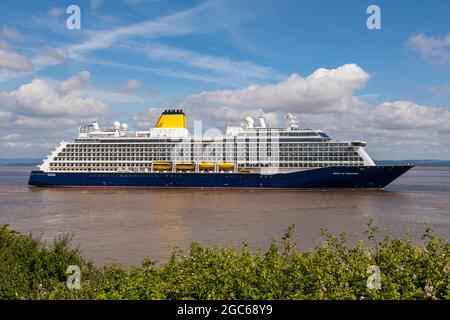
(247, 147)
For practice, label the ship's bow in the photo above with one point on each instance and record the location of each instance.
(381, 176)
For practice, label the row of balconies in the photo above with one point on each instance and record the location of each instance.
(289, 162)
(147, 167)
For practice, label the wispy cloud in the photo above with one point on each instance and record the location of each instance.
(176, 24)
(113, 96)
(437, 49)
(10, 33)
(48, 56)
(233, 71)
(13, 61)
(439, 89)
(164, 71)
(192, 65)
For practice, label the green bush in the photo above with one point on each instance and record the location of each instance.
(334, 270)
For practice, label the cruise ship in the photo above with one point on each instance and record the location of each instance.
(253, 155)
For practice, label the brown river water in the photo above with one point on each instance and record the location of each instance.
(128, 226)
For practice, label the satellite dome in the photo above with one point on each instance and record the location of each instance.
(116, 125)
(124, 126)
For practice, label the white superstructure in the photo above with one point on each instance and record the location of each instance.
(251, 146)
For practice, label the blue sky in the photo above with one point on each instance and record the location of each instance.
(132, 58)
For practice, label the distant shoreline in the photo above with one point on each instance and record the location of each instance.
(418, 163)
(20, 162)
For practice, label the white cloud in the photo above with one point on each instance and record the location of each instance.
(236, 72)
(324, 90)
(27, 122)
(12, 137)
(326, 100)
(438, 89)
(50, 56)
(13, 61)
(146, 120)
(76, 82)
(41, 98)
(177, 24)
(434, 48)
(10, 33)
(199, 19)
(407, 115)
(164, 71)
(393, 130)
(42, 113)
(114, 96)
(132, 84)
(14, 65)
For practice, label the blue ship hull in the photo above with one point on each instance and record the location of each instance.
(373, 177)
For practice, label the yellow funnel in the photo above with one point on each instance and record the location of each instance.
(171, 119)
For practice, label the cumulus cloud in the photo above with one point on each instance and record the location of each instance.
(41, 98)
(75, 82)
(43, 113)
(326, 100)
(393, 130)
(407, 115)
(12, 60)
(435, 48)
(324, 90)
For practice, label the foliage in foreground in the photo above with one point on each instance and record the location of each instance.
(334, 270)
